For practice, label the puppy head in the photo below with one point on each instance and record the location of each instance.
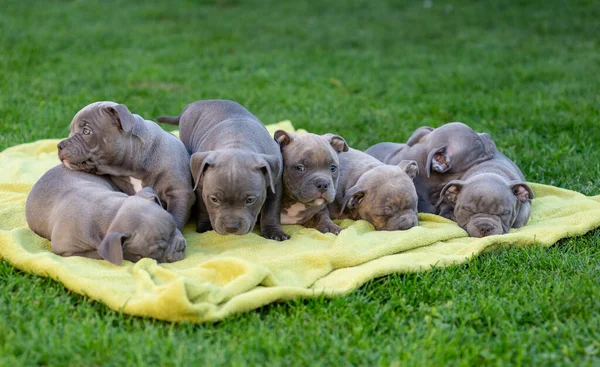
(311, 162)
(486, 204)
(98, 133)
(234, 185)
(386, 197)
(142, 228)
(453, 147)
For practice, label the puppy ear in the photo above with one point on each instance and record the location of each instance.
(111, 247)
(489, 147)
(353, 197)
(268, 164)
(418, 134)
(121, 117)
(199, 162)
(450, 192)
(283, 138)
(522, 191)
(437, 166)
(149, 194)
(410, 167)
(337, 142)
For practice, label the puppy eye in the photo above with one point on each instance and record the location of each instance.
(86, 131)
(250, 199)
(299, 167)
(214, 199)
(333, 168)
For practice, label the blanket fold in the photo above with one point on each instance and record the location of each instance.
(224, 275)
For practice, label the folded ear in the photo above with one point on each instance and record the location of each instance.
(489, 146)
(149, 194)
(522, 191)
(437, 158)
(199, 162)
(450, 192)
(111, 247)
(352, 199)
(410, 167)
(337, 142)
(121, 117)
(418, 134)
(269, 164)
(283, 138)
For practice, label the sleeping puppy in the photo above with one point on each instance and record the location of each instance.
(382, 194)
(236, 166)
(310, 177)
(84, 215)
(443, 154)
(107, 139)
(489, 198)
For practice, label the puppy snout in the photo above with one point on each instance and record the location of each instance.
(485, 229)
(407, 223)
(322, 185)
(232, 226)
(61, 145)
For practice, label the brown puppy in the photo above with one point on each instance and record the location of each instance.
(310, 176)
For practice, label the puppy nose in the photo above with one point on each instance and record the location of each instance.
(485, 229)
(232, 226)
(322, 185)
(61, 145)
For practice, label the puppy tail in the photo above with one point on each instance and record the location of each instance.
(172, 120)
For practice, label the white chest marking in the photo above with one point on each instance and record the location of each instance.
(137, 184)
(292, 215)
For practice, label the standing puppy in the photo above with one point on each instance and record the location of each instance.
(236, 166)
(443, 154)
(84, 215)
(107, 139)
(489, 198)
(384, 195)
(310, 178)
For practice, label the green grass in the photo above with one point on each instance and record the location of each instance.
(524, 71)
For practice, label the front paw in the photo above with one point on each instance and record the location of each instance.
(274, 233)
(329, 227)
(202, 227)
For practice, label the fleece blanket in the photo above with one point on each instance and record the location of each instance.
(224, 275)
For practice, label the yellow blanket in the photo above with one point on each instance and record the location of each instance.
(223, 275)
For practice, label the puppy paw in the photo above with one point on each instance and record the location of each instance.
(202, 227)
(275, 233)
(329, 228)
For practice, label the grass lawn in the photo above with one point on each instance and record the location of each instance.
(527, 72)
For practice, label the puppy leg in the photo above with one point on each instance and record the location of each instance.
(323, 223)
(270, 224)
(447, 211)
(179, 205)
(202, 217)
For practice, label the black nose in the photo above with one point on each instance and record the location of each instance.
(61, 145)
(322, 185)
(232, 226)
(485, 229)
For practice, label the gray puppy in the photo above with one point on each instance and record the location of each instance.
(236, 166)
(382, 194)
(107, 139)
(443, 154)
(310, 177)
(489, 198)
(84, 215)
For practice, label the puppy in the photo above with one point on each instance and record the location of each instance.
(83, 215)
(236, 166)
(384, 195)
(310, 176)
(489, 198)
(443, 154)
(107, 139)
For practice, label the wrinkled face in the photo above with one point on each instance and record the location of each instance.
(310, 173)
(486, 211)
(151, 230)
(233, 193)
(455, 147)
(94, 141)
(390, 200)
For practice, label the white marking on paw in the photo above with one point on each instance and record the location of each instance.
(137, 184)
